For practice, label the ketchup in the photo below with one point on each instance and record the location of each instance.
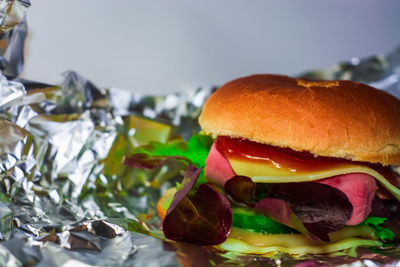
(282, 158)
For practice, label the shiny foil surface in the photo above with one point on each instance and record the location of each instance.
(13, 32)
(66, 198)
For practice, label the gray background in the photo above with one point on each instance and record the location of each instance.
(159, 47)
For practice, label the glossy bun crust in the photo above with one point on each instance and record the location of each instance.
(341, 119)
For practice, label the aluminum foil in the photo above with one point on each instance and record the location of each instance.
(66, 198)
(13, 32)
(380, 71)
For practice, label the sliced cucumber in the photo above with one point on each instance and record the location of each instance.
(250, 220)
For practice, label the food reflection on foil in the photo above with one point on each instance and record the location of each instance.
(66, 197)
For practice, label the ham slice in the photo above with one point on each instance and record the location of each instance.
(359, 188)
(218, 169)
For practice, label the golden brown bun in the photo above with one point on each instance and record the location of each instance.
(341, 119)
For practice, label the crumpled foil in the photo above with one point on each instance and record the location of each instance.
(13, 32)
(67, 199)
(380, 71)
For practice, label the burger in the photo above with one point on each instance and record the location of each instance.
(292, 165)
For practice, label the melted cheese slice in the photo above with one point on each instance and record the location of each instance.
(297, 244)
(264, 173)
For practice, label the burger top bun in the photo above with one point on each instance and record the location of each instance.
(341, 119)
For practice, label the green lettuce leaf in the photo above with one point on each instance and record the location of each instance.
(382, 232)
(196, 149)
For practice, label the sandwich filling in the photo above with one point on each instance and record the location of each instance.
(238, 165)
(230, 157)
(251, 196)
